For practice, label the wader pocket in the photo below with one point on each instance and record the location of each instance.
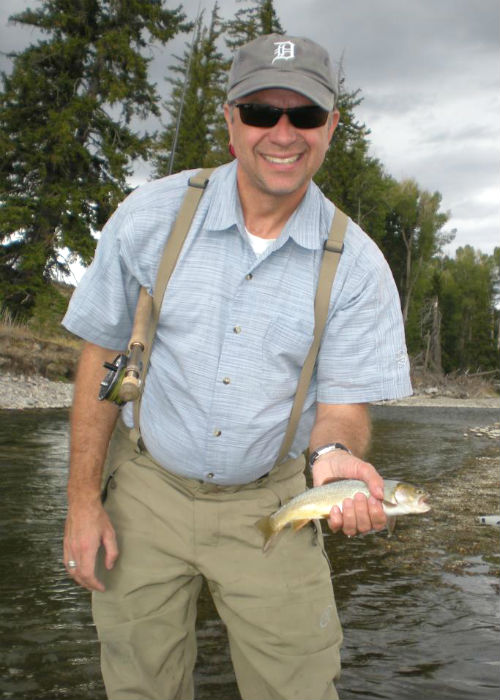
(108, 483)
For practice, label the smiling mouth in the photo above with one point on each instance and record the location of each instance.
(284, 160)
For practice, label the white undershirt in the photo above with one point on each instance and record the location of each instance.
(258, 244)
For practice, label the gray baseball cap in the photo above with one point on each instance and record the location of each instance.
(278, 61)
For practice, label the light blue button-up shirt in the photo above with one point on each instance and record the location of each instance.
(235, 328)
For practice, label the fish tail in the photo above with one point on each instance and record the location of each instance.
(265, 525)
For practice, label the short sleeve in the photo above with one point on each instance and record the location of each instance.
(101, 309)
(363, 356)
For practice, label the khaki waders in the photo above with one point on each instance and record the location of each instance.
(278, 607)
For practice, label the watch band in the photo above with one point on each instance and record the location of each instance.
(327, 448)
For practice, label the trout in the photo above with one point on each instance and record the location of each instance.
(400, 498)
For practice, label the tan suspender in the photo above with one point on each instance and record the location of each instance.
(151, 306)
(197, 184)
(331, 257)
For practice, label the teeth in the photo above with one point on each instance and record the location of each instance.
(282, 161)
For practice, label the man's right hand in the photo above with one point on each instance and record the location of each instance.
(87, 528)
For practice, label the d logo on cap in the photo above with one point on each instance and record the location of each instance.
(284, 51)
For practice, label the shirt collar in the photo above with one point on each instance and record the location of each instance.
(310, 223)
(224, 209)
(308, 226)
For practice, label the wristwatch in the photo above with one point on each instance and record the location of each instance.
(327, 448)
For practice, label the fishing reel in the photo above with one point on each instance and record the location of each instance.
(123, 381)
(111, 384)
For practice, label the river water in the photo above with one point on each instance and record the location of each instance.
(420, 610)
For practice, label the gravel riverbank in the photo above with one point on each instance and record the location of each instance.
(18, 392)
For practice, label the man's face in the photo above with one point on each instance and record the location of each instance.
(279, 160)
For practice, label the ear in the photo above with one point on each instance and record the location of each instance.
(228, 116)
(334, 120)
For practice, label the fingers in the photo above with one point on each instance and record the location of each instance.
(358, 515)
(84, 571)
(340, 465)
(80, 565)
(367, 473)
(80, 573)
(111, 549)
(81, 545)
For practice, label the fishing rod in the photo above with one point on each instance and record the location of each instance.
(123, 381)
(183, 96)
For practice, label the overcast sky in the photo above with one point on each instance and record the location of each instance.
(429, 73)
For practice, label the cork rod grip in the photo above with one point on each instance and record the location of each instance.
(142, 319)
(131, 384)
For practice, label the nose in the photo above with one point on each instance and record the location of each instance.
(283, 132)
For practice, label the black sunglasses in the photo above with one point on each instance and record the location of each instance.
(265, 116)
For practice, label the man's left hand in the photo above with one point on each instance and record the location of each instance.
(359, 514)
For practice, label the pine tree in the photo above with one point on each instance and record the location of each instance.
(195, 106)
(253, 21)
(66, 135)
(349, 176)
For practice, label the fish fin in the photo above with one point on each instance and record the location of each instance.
(299, 524)
(265, 525)
(391, 524)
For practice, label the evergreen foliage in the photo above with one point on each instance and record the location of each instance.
(352, 178)
(470, 319)
(65, 133)
(196, 131)
(414, 235)
(250, 22)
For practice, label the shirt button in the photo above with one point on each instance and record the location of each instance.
(237, 329)
(210, 475)
(226, 380)
(249, 276)
(217, 432)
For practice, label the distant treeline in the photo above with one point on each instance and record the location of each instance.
(69, 136)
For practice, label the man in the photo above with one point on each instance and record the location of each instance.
(235, 326)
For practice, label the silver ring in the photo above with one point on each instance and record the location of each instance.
(72, 564)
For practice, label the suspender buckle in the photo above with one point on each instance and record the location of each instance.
(332, 247)
(200, 183)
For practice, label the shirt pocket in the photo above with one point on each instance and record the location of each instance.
(285, 348)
